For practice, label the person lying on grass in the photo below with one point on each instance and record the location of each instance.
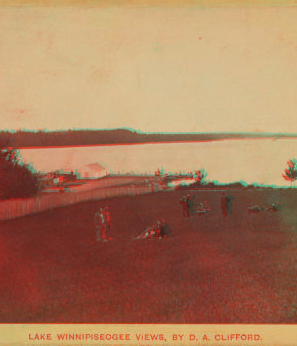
(256, 208)
(160, 230)
(259, 208)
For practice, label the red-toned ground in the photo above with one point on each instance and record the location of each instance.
(214, 269)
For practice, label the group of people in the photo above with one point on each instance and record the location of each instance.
(159, 230)
(189, 208)
(227, 200)
(187, 203)
(102, 224)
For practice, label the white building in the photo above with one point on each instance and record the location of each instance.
(92, 171)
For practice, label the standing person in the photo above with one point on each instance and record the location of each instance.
(190, 205)
(97, 223)
(223, 204)
(184, 203)
(100, 225)
(227, 204)
(107, 220)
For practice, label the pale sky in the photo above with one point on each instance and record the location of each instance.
(150, 69)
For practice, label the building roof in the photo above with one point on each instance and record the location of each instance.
(95, 167)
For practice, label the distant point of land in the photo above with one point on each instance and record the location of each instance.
(66, 138)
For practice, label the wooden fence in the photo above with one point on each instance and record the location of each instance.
(11, 209)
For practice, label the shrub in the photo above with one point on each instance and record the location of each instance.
(16, 180)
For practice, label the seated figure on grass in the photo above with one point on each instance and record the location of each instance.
(160, 230)
(273, 207)
(202, 207)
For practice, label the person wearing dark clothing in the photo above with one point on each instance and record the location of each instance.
(165, 230)
(227, 204)
(184, 204)
(190, 205)
(223, 204)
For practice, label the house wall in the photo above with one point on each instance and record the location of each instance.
(89, 174)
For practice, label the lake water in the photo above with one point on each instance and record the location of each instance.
(259, 161)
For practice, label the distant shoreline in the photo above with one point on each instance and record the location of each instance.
(88, 138)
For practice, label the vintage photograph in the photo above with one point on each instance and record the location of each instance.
(148, 160)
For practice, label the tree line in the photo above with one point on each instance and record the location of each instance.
(25, 139)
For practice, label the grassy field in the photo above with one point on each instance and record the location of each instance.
(213, 269)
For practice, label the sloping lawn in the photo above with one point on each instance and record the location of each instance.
(213, 269)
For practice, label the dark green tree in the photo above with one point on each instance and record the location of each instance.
(291, 171)
(17, 180)
(200, 176)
